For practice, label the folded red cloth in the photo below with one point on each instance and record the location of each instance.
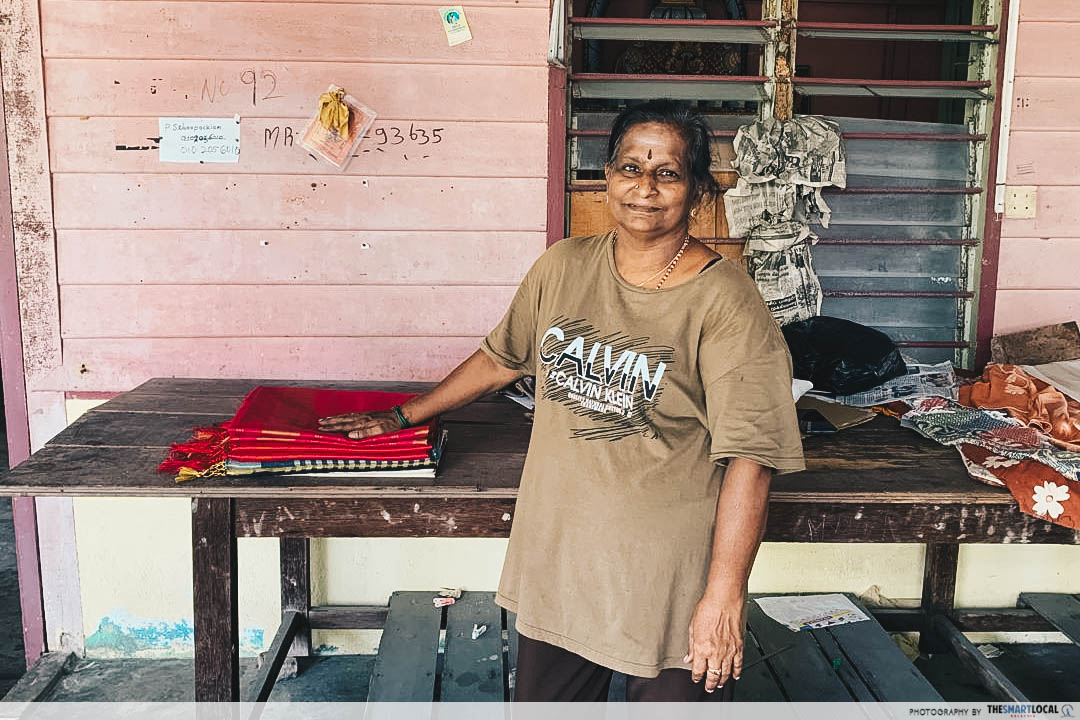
(295, 412)
(281, 423)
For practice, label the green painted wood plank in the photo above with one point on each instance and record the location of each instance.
(405, 666)
(473, 669)
(844, 668)
(756, 684)
(804, 673)
(511, 649)
(1061, 611)
(883, 667)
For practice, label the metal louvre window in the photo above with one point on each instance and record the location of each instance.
(904, 248)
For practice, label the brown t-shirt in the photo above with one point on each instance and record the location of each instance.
(641, 396)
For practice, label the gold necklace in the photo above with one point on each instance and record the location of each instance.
(667, 269)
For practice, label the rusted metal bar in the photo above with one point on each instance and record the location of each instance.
(655, 22)
(922, 294)
(702, 79)
(784, 65)
(965, 84)
(929, 137)
(897, 27)
(888, 242)
(904, 191)
(599, 187)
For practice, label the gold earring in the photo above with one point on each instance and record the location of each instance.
(693, 213)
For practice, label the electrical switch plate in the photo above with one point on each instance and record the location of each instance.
(1020, 201)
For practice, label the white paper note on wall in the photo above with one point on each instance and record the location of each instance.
(199, 140)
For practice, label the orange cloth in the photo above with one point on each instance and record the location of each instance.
(1029, 400)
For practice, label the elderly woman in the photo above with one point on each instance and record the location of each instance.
(663, 406)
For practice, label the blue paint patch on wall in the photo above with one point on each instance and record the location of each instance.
(252, 638)
(121, 634)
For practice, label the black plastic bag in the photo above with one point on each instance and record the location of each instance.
(841, 356)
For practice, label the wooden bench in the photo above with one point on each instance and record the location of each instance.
(417, 662)
(1057, 611)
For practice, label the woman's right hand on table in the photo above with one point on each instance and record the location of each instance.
(360, 425)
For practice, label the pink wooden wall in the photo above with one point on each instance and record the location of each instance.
(279, 266)
(1039, 271)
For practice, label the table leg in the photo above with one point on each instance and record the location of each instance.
(217, 639)
(939, 591)
(296, 589)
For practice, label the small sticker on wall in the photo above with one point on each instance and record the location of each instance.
(455, 25)
(199, 140)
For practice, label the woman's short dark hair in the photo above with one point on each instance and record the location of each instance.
(690, 125)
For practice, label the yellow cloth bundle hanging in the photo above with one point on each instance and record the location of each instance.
(333, 113)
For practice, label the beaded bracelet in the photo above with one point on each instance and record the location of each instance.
(401, 417)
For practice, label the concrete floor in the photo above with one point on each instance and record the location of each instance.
(329, 678)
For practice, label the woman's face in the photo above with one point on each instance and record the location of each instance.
(648, 187)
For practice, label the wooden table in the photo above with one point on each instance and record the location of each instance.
(872, 483)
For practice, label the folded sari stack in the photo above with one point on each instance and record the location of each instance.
(275, 430)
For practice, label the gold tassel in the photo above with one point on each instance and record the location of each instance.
(215, 470)
(187, 474)
(333, 113)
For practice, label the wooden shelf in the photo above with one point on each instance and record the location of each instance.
(746, 32)
(673, 87)
(930, 33)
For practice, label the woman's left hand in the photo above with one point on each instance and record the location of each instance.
(716, 639)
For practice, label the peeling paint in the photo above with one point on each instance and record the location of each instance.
(31, 191)
(120, 634)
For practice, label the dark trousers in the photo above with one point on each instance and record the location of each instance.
(546, 673)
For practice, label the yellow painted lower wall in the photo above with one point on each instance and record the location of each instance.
(135, 571)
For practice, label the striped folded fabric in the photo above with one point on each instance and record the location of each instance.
(275, 431)
(355, 468)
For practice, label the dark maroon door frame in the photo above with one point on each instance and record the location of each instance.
(556, 180)
(991, 246)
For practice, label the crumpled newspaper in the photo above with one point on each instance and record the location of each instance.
(805, 150)
(782, 166)
(787, 282)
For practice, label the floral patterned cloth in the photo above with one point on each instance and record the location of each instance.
(1001, 450)
(950, 423)
(1038, 489)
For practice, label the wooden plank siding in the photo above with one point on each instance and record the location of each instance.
(103, 364)
(295, 257)
(288, 31)
(292, 202)
(280, 265)
(1037, 282)
(432, 90)
(403, 148)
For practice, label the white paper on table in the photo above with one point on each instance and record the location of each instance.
(806, 612)
(199, 140)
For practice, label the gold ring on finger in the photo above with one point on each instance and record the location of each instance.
(713, 672)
